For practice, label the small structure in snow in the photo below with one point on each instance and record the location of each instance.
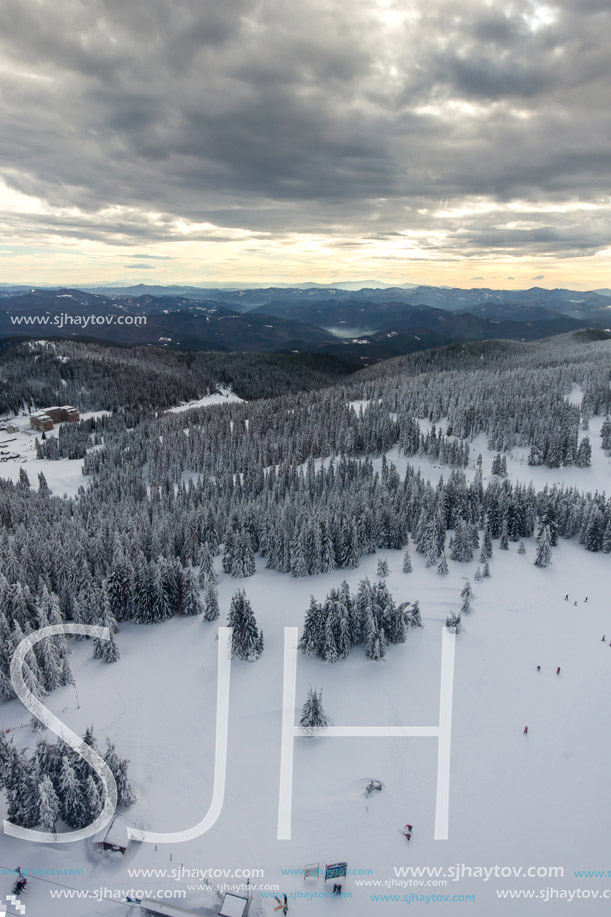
(373, 785)
(161, 909)
(234, 906)
(116, 837)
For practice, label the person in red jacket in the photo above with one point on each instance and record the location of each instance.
(526, 730)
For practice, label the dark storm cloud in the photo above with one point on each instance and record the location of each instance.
(276, 117)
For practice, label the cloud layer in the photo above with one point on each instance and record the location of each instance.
(428, 129)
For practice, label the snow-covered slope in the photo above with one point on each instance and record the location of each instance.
(516, 801)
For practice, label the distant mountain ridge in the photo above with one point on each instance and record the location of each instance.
(361, 326)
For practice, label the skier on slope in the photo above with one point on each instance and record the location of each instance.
(538, 668)
(525, 731)
(558, 671)
(566, 598)
(603, 638)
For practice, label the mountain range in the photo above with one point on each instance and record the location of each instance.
(361, 326)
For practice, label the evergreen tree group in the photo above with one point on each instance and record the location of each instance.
(370, 617)
(56, 785)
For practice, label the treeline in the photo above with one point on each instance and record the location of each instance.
(95, 377)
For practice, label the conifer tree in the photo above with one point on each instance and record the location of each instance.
(583, 459)
(190, 602)
(544, 548)
(313, 717)
(462, 546)
(466, 596)
(312, 638)
(246, 641)
(48, 805)
(211, 602)
(73, 808)
(126, 795)
(375, 644)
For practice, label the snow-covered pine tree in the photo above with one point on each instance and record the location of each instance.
(338, 620)
(391, 618)
(462, 545)
(126, 795)
(328, 560)
(442, 566)
(583, 459)
(375, 643)
(412, 614)
(350, 548)
(143, 591)
(312, 637)
(299, 555)
(453, 622)
(544, 548)
(206, 570)
(313, 717)
(243, 559)
(48, 805)
(382, 569)
(228, 554)
(190, 602)
(21, 790)
(73, 808)
(93, 798)
(407, 563)
(210, 601)
(329, 651)
(246, 641)
(466, 595)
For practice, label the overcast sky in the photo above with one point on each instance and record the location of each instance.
(463, 142)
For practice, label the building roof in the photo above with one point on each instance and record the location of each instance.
(165, 910)
(117, 832)
(233, 906)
